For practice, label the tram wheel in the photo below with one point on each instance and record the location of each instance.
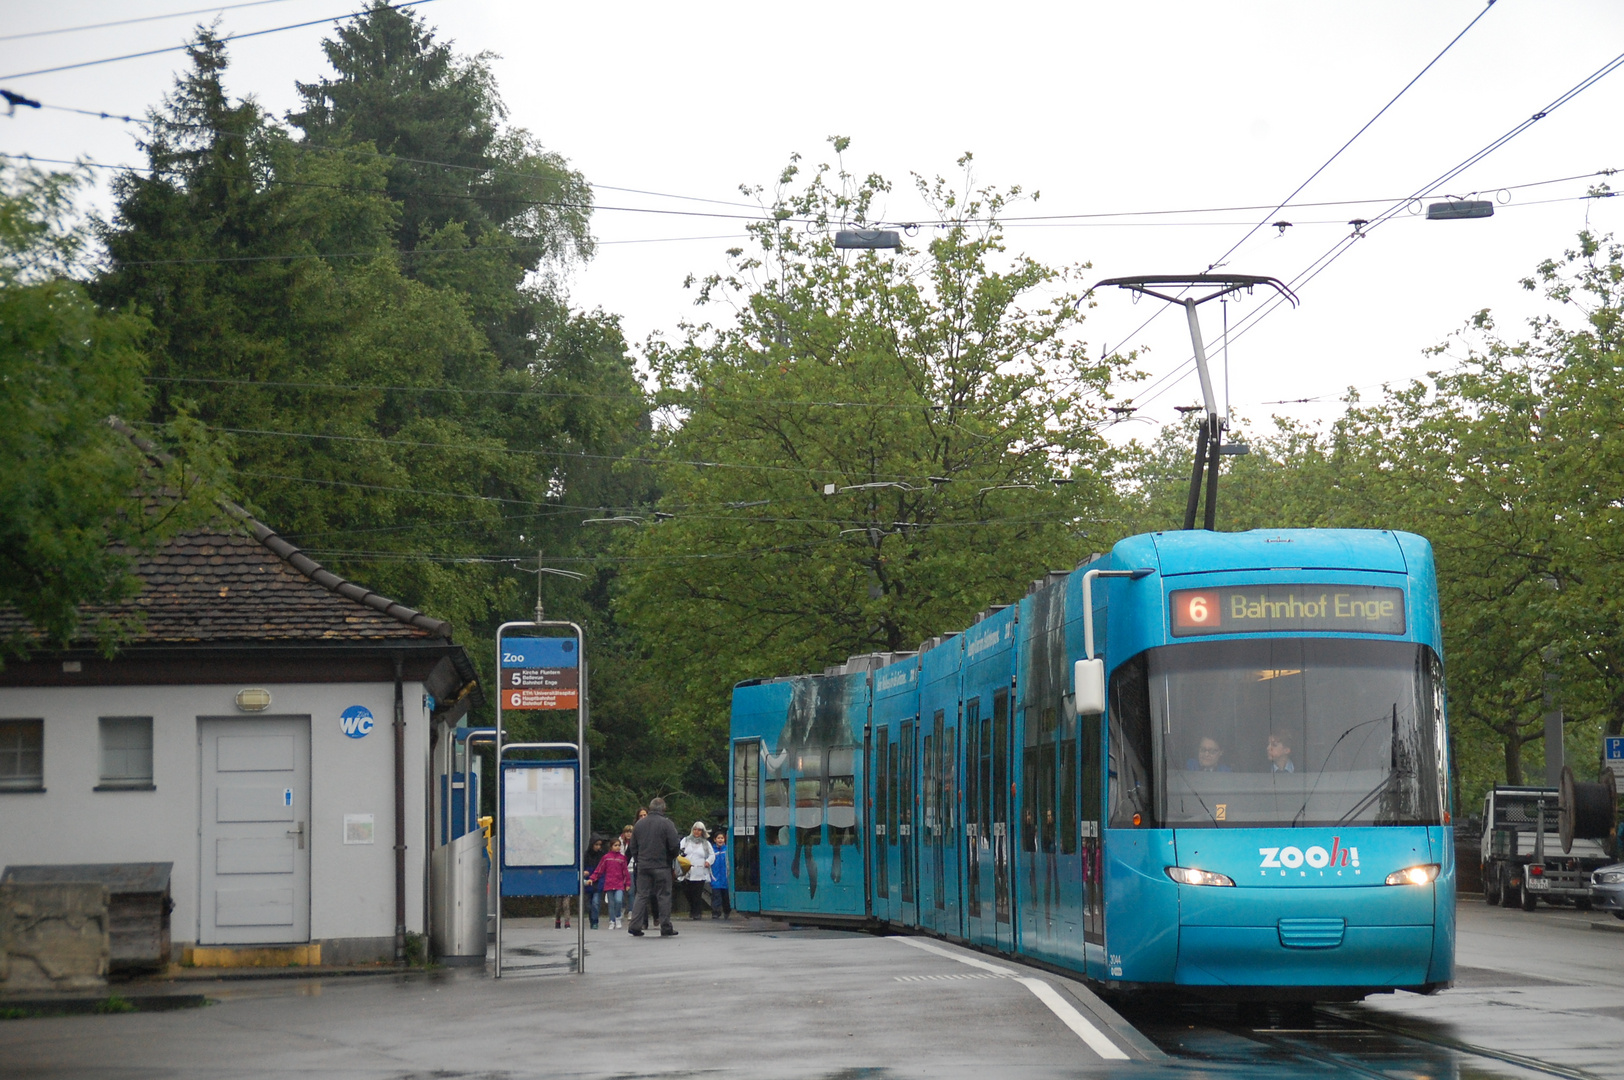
(1528, 898)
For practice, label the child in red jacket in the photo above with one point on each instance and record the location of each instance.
(612, 877)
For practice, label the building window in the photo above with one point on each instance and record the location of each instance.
(22, 755)
(126, 752)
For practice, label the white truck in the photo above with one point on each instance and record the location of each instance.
(1523, 860)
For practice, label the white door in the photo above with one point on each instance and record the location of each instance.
(255, 831)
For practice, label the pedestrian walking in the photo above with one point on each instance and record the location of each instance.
(700, 855)
(612, 877)
(720, 909)
(631, 867)
(594, 893)
(654, 845)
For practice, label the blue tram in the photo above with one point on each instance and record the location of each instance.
(1251, 803)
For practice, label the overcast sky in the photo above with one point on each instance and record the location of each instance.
(1102, 107)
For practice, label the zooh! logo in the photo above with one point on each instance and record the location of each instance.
(1315, 857)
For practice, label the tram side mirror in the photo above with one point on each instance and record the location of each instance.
(1089, 679)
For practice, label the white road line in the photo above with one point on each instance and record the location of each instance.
(1075, 1020)
(1045, 993)
(939, 951)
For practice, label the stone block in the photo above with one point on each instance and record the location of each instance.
(53, 937)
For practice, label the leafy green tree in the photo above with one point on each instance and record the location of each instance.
(371, 415)
(77, 498)
(486, 194)
(901, 440)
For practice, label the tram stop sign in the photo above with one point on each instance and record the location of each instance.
(1613, 754)
(540, 673)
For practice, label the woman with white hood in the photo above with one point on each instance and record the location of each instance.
(697, 850)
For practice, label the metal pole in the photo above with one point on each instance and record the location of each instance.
(1200, 358)
(1195, 477)
(1214, 438)
(583, 805)
(498, 822)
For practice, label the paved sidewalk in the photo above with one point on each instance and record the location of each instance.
(732, 999)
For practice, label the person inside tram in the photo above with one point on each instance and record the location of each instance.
(1209, 757)
(1279, 751)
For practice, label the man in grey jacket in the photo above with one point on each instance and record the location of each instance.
(654, 846)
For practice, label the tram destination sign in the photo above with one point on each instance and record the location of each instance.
(1252, 609)
(540, 673)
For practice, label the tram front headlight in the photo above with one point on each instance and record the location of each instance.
(1414, 875)
(1186, 875)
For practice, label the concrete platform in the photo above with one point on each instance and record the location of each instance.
(747, 999)
(761, 999)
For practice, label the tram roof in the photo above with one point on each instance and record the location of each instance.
(1198, 551)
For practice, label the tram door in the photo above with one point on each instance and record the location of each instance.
(1089, 739)
(907, 847)
(977, 861)
(746, 865)
(930, 852)
(938, 884)
(1003, 877)
(948, 829)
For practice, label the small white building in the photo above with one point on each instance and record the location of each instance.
(268, 731)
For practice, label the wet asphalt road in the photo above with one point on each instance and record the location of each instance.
(763, 1000)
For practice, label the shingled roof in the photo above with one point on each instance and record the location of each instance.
(217, 585)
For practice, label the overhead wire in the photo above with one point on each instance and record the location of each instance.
(228, 37)
(1326, 164)
(305, 146)
(1264, 222)
(360, 388)
(765, 213)
(1346, 243)
(141, 19)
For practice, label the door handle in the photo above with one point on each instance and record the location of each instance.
(299, 832)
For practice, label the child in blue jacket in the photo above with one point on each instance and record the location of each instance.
(719, 877)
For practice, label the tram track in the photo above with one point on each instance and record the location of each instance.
(1461, 1047)
(1341, 1040)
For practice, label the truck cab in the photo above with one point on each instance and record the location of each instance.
(1522, 857)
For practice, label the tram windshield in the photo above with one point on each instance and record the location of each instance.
(1278, 732)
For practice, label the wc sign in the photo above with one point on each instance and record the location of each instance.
(356, 721)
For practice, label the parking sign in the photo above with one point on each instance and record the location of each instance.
(1613, 754)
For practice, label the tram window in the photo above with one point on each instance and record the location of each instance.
(906, 769)
(842, 810)
(746, 797)
(1000, 758)
(1291, 731)
(842, 795)
(881, 812)
(950, 791)
(931, 788)
(1132, 790)
(972, 762)
(894, 765)
(1029, 799)
(746, 779)
(775, 814)
(1068, 797)
(1046, 800)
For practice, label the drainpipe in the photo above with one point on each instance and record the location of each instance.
(400, 814)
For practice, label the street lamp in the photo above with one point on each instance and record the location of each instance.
(868, 240)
